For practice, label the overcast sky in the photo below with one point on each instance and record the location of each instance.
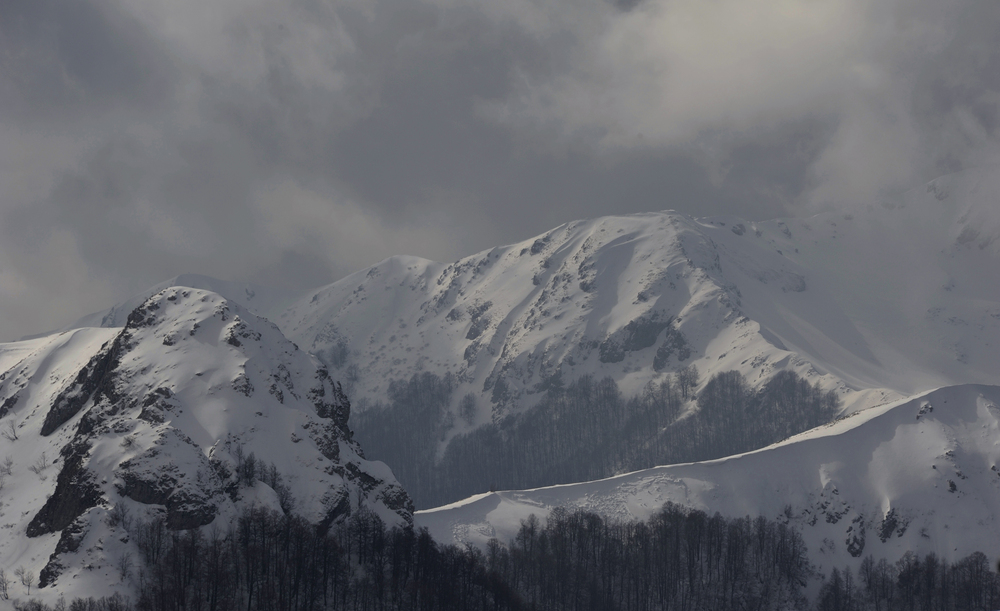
(290, 142)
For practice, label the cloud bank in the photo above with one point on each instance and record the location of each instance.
(290, 142)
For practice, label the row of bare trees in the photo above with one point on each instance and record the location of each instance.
(913, 584)
(679, 559)
(580, 431)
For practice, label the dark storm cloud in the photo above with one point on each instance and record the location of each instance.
(292, 141)
(64, 59)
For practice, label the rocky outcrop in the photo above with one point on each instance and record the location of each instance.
(164, 419)
(91, 379)
(76, 491)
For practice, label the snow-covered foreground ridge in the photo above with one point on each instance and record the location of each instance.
(921, 474)
(161, 417)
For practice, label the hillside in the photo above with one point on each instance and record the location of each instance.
(833, 297)
(919, 475)
(194, 411)
(457, 355)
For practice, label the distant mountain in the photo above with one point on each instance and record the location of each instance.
(193, 411)
(446, 361)
(904, 295)
(919, 475)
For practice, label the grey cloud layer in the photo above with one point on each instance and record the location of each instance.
(292, 141)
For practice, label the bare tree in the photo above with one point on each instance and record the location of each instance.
(5, 583)
(125, 566)
(687, 379)
(120, 514)
(27, 577)
(9, 431)
(40, 465)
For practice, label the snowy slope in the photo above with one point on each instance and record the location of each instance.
(920, 474)
(918, 275)
(157, 415)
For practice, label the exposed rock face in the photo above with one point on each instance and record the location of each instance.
(195, 409)
(75, 493)
(92, 382)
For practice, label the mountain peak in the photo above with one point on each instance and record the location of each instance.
(192, 411)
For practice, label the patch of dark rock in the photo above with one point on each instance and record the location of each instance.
(69, 541)
(93, 379)
(242, 385)
(610, 351)
(143, 316)
(151, 415)
(184, 510)
(339, 508)
(470, 352)
(856, 537)
(889, 524)
(501, 393)
(9, 404)
(276, 391)
(480, 322)
(326, 440)
(153, 397)
(673, 343)
(76, 492)
(637, 335)
(147, 492)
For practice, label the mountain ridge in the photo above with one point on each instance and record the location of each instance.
(193, 411)
(637, 298)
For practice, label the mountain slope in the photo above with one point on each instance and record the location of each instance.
(918, 276)
(630, 297)
(193, 411)
(835, 297)
(919, 475)
(835, 293)
(449, 364)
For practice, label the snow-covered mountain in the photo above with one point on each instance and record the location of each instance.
(519, 363)
(921, 474)
(902, 296)
(193, 411)
(873, 302)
